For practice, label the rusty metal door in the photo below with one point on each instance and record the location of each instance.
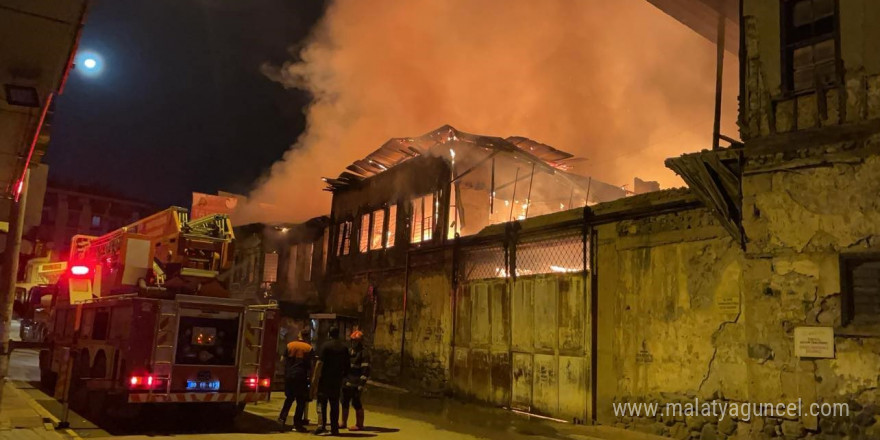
(549, 350)
(481, 362)
(524, 344)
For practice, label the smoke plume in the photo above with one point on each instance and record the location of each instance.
(617, 82)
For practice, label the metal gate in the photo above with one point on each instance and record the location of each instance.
(550, 359)
(524, 344)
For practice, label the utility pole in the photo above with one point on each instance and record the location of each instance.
(719, 77)
(9, 272)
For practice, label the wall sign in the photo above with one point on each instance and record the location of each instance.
(814, 342)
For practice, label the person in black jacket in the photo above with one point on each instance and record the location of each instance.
(332, 368)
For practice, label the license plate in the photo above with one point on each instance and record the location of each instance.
(203, 382)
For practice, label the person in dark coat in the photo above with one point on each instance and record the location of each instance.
(332, 368)
(297, 371)
(355, 381)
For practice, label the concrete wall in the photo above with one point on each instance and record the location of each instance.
(377, 300)
(767, 109)
(670, 318)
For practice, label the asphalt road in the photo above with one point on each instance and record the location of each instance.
(390, 414)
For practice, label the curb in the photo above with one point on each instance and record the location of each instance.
(45, 414)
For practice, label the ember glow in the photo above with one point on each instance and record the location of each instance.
(618, 83)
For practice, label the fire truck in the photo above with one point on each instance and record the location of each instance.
(140, 319)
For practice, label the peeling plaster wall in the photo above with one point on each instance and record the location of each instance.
(670, 318)
(805, 206)
(766, 109)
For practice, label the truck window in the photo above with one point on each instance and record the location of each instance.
(207, 341)
(99, 325)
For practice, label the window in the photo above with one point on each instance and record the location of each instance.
(343, 244)
(392, 226)
(270, 268)
(325, 248)
(809, 44)
(377, 229)
(96, 221)
(860, 288)
(364, 237)
(423, 213)
(99, 325)
(291, 267)
(310, 249)
(206, 341)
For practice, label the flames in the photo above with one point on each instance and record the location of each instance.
(619, 83)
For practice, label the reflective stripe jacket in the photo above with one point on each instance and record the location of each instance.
(360, 367)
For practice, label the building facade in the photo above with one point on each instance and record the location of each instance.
(71, 210)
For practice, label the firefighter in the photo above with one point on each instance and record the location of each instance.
(358, 373)
(332, 368)
(297, 368)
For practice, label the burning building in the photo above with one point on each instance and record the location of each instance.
(450, 183)
(484, 268)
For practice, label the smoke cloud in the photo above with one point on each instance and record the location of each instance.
(617, 82)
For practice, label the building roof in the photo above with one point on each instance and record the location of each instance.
(438, 143)
(701, 16)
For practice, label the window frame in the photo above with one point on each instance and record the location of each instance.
(343, 238)
(390, 236)
(364, 232)
(434, 214)
(787, 49)
(848, 261)
(366, 229)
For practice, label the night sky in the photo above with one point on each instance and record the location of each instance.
(180, 104)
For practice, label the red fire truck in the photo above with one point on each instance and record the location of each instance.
(140, 318)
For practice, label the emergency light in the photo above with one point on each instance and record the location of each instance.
(145, 382)
(79, 270)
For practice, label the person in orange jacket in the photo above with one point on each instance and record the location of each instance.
(297, 371)
(355, 382)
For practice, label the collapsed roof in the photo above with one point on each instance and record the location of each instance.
(437, 143)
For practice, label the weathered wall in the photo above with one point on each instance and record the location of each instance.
(382, 321)
(804, 208)
(377, 300)
(428, 343)
(767, 109)
(670, 319)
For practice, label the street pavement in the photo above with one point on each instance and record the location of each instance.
(391, 413)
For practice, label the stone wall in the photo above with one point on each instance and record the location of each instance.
(805, 207)
(670, 319)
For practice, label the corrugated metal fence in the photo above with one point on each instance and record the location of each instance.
(522, 323)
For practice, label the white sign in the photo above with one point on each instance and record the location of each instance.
(814, 342)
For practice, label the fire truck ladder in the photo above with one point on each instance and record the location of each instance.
(166, 342)
(251, 350)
